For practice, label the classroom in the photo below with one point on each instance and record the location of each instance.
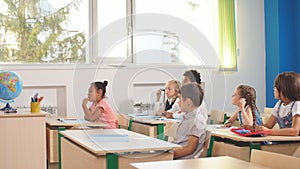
(54, 54)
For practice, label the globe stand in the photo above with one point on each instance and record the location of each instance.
(8, 109)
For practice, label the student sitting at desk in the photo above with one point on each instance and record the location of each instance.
(287, 110)
(100, 110)
(244, 98)
(189, 77)
(191, 131)
(171, 104)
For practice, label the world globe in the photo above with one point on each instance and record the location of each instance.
(11, 86)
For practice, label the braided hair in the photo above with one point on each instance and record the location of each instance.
(249, 94)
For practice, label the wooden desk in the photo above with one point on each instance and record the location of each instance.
(225, 142)
(23, 140)
(223, 162)
(53, 124)
(152, 126)
(79, 150)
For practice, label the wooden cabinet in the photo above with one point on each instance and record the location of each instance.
(23, 140)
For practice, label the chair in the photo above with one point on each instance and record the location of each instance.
(266, 116)
(124, 121)
(171, 131)
(206, 148)
(274, 160)
(217, 117)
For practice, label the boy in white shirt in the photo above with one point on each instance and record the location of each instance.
(191, 132)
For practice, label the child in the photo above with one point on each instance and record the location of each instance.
(191, 131)
(171, 104)
(287, 110)
(191, 76)
(244, 98)
(188, 77)
(99, 111)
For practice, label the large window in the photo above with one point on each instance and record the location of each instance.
(43, 31)
(90, 31)
(172, 43)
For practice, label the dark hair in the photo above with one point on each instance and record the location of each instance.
(100, 85)
(288, 85)
(249, 94)
(193, 91)
(193, 75)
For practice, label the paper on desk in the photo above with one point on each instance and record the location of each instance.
(109, 137)
(74, 121)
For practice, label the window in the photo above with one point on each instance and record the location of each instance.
(93, 31)
(45, 31)
(170, 45)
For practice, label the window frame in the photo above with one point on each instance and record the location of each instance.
(91, 50)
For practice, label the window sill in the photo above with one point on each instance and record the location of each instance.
(95, 66)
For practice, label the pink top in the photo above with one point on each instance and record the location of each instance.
(108, 116)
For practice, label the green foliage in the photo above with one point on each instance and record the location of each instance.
(35, 38)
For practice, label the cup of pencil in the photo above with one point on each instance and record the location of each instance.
(35, 104)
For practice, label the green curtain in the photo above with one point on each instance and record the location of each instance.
(227, 35)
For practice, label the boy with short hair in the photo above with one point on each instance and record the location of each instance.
(191, 131)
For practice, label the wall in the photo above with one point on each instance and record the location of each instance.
(282, 41)
(218, 86)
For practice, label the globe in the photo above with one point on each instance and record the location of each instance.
(11, 86)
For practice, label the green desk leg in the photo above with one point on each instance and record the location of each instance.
(211, 145)
(130, 124)
(160, 131)
(254, 146)
(59, 145)
(225, 118)
(112, 161)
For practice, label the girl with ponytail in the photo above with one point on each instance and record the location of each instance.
(100, 110)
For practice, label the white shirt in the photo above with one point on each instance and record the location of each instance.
(285, 109)
(160, 107)
(202, 109)
(192, 124)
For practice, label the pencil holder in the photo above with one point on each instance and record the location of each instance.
(35, 107)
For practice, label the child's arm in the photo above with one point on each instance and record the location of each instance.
(88, 114)
(188, 149)
(271, 122)
(231, 120)
(294, 131)
(247, 116)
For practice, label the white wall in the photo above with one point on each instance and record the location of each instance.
(218, 86)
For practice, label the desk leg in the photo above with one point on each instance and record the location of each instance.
(129, 124)
(225, 118)
(59, 145)
(254, 146)
(160, 131)
(210, 147)
(112, 161)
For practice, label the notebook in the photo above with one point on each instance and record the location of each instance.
(249, 133)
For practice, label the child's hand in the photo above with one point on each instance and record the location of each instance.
(158, 94)
(242, 103)
(261, 128)
(169, 115)
(228, 124)
(85, 101)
